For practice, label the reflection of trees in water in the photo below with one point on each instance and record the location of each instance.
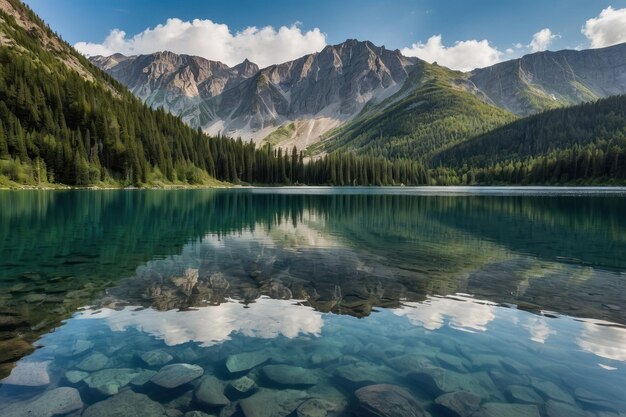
(61, 248)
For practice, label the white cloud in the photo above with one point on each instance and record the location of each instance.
(542, 40)
(264, 46)
(461, 313)
(463, 55)
(609, 28)
(265, 319)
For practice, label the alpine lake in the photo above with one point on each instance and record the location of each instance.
(313, 302)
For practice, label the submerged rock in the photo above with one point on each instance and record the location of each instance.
(196, 414)
(81, 346)
(384, 400)
(241, 362)
(521, 394)
(270, 403)
(126, 404)
(58, 401)
(557, 409)
(142, 378)
(594, 401)
(459, 404)
(175, 375)
(109, 381)
(508, 410)
(242, 385)
(156, 357)
(360, 374)
(74, 377)
(29, 374)
(550, 390)
(289, 375)
(210, 392)
(316, 407)
(93, 362)
(437, 381)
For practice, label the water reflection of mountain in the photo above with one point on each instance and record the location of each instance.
(342, 253)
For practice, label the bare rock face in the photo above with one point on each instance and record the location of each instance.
(335, 82)
(554, 79)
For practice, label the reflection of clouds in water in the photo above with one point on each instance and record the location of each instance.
(463, 313)
(539, 329)
(602, 339)
(211, 325)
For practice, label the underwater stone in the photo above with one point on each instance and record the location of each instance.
(508, 410)
(126, 404)
(143, 376)
(316, 407)
(289, 375)
(175, 375)
(245, 361)
(75, 377)
(272, 403)
(210, 392)
(81, 346)
(557, 409)
(384, 400)
(459, 403)
(29, 374)
(521, 394)
(243, 384)
(109, 381)
(58, 401)
(593, 400)
(196, 414)
(360, 374)
(156, 357)
(93, 362)
(550, 390)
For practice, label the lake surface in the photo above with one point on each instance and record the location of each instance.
(313, 302)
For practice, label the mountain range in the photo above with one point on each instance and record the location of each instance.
(351, 114)
(333, 93)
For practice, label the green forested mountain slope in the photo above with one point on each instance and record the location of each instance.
(64, 120)
(435, 108)
(585, 143)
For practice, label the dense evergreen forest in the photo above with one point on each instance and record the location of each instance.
(60, 125)
(579, 144)
(64, 121)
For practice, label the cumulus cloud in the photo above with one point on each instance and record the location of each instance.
(608, 28)
(463, 55)
(215, 41)
(542, 40)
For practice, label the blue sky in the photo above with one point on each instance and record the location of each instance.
(393, 23)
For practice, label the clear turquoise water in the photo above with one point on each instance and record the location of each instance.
(517, 296)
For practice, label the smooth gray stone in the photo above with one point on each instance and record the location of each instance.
(75, 377)
(245, 361)
(29, 374)
(508, 410)
(522, 394)
(272, 403)
(460, 403)
(177, 374)
(289, 375)
(210, 392)
(58, 401)
(156, 357)
(126, 404)
(385, 400)
(93, 362)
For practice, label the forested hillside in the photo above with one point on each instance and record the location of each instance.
(583, 143)
(434, 109)
(62, 120)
